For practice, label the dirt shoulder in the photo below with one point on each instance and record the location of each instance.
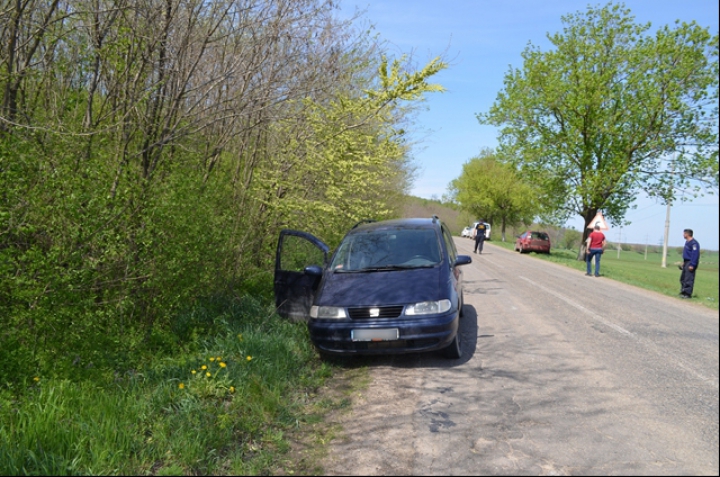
(325, 416)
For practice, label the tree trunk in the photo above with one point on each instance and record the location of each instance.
(588, 216)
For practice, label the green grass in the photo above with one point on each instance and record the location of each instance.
(168, 416)
(632, 268)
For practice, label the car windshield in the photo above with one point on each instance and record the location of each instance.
(387, 250)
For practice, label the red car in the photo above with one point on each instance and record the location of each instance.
(532, 241)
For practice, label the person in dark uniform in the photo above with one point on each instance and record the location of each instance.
(480, 230)
(691, 259)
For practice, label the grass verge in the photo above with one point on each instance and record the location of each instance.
(232, 403)
(633, 268)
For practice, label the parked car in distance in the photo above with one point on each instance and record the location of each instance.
(487, 230)
(532, 241)
(466, 232)
(390, 287)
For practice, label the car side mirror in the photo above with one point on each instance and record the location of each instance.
(463, 260)
(314, 271)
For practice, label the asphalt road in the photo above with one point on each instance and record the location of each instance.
(562, 374)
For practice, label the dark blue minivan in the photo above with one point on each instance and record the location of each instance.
(390, 287)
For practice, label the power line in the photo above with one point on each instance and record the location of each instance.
(645, 218)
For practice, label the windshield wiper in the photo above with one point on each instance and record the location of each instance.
(384, 268)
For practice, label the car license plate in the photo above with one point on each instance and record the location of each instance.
(383, 334)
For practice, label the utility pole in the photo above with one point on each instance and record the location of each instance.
(619, 242)
(667, 218)
(667, 233)
(647, 237)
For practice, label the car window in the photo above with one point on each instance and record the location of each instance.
(449, 244)
(298, 253)
(539, 236)
(405, 248)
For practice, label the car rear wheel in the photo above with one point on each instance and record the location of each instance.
(462, 305)
(453, 351)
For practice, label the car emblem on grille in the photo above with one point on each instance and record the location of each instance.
(374, 312)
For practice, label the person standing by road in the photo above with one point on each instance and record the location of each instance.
(691, 259)
(595, 247)
(480, 229)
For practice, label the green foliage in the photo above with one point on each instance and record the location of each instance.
(494, 191)
(150, 161)
(137, 174)
(596, 120)
(169, 416)
(398, 84)
(571, 239)
(347, 160)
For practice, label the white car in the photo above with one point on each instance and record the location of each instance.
(466, 232)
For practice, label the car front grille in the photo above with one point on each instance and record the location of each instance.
(364, 312)
(364, 346)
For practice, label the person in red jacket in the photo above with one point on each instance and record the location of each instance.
(595, 247)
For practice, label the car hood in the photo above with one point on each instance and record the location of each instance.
(396, 287)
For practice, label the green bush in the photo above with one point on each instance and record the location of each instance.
(216, 405)
(571, 239)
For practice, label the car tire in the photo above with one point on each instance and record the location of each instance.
(462, 305)
(453, 351)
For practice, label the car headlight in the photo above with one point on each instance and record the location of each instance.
(327, 312)
(428, 307)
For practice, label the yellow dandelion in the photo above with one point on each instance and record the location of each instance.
(218, 359)
(203, 367)
(36, 379)
(222, 365)
(232, 389)
(212, 359)
(181, 386)
(208, 374)
(249, 358)
(193, 371)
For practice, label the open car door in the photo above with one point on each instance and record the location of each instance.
(294, 284)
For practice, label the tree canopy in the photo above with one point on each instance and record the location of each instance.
(493, 190)
(150, 152)
(612, 111)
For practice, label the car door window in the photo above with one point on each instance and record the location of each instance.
(298, 253)
(294, 288)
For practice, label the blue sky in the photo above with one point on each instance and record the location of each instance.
(482, 39)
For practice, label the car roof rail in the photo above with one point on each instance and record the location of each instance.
(435, 218)
(363, 221)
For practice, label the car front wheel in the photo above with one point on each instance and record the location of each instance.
(453, 351)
